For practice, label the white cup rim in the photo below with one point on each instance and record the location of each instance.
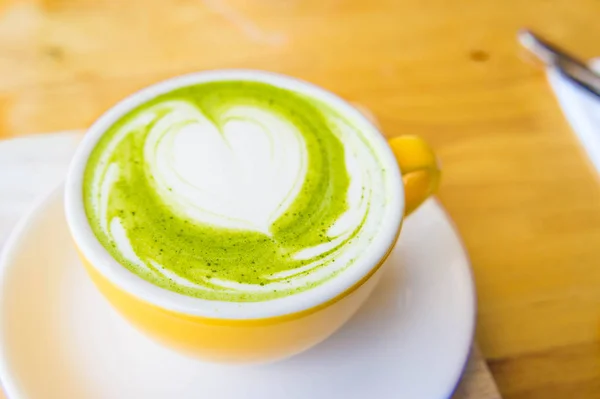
(104, 263)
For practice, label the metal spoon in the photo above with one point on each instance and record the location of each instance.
(569, 66)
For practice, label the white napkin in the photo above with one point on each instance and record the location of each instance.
(30, 167)
(582, 110)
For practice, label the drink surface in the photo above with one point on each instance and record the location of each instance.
(236, 190)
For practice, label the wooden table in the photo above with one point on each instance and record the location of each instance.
(516, 182)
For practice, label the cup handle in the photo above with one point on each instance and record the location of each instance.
(420, 169)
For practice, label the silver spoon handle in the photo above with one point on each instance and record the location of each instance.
(568, 65)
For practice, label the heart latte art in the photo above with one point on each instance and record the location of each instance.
(236, 191)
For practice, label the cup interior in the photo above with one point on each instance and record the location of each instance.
(340, 285)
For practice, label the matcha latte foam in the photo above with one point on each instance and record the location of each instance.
(236, 190)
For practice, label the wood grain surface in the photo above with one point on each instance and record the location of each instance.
(516, 182)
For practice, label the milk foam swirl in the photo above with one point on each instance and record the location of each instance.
(235, 191)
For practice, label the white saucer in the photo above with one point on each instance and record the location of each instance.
(59, 338)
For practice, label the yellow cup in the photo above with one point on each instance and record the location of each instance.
(256, 332)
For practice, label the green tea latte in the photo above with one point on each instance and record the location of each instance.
(236, 190)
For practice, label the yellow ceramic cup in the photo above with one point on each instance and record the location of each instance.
(246, 332)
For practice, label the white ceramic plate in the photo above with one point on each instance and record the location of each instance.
(59, 338)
